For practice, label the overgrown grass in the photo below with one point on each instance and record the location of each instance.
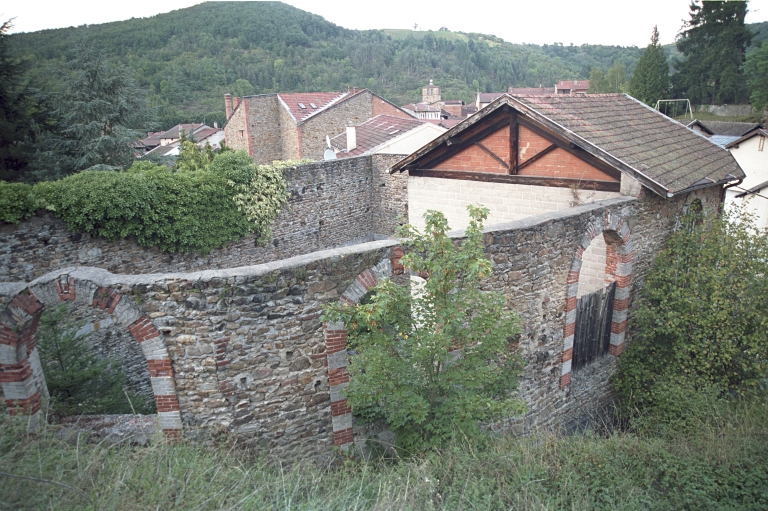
(721, 464)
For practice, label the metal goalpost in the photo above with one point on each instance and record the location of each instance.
(674, 103)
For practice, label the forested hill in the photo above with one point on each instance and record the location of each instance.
(187, 59)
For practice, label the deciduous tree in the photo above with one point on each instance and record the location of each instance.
(436, 359)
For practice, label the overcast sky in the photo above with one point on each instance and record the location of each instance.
(611, 22)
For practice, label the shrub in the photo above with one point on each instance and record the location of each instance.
(435, 361)
(701, 326)
(16, 202)
(78, 382)
(191, 211)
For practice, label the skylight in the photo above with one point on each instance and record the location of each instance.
(301, 105)
(313, 105)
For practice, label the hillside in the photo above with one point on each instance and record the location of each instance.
(187, 59)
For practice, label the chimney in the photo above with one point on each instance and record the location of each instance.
(355, 90)
(236, 103)
(215, 124)
(351, 138)
(228, 105)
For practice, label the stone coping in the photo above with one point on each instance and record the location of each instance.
(107, 279)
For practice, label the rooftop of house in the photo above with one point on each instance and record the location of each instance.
(752, 133)
(204, 133)
(622, 132)
(175, 132)
(573, 84)
(302, 105)
(445, 123)
(727, 128)
(421, 107)
(374, 132)
(536, 91)
(152, 140)
(487, 97)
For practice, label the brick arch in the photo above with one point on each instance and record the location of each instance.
(21, 372)
(336, 345)
(618, 268)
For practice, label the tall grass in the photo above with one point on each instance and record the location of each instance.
(720, 464)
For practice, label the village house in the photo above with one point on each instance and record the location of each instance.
(384, 134)
(167, 143)
(752, 193)
(292, 126)
(723, 133)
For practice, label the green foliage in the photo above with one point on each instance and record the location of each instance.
(756, 69)
(187, 59)
(263, 196)
(78, 382)
(186, 211)
(15, 118)
(597, 81)
(435, 360)
(721, 464)
(16, 202)
(97, 112)
(650, 81)
(713, 44)
(191, 157)
(702, 320)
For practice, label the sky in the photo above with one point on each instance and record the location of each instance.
(609, 22)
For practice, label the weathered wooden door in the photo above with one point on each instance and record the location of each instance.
(594, 313)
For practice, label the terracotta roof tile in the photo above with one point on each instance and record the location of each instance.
(300, 104)
(175, 131)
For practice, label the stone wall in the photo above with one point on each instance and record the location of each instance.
(248, 352)
(332, 121)
(331, 203)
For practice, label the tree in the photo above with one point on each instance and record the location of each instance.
(616, 78)
(435, 359)
(98, 114)
(15, 132)
(756, 69)
(597, 81)
(702, 322)
(650, 80)
(713, 44)
(78, 381)
(191, 157)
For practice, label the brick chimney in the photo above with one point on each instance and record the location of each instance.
(228, 105)
(351, 138)
(355, 90)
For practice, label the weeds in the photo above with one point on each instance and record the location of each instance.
(720, 464)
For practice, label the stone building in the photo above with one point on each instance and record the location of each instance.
(293, 126)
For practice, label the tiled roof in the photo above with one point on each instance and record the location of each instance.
(153, 140)
(723, 140)
(303, 104)
(445, 123)
(620, 131)
(573, 84)
(454, 102)
(205, 133)
(487, 97)
(535, 91)
(647, 141)
(734, 129)
(468, 110)
(175, 131)
(421, 107)
(375, 132)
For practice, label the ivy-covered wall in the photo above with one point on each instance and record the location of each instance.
(331, 203)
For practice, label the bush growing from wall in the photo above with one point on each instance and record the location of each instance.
(437, 361)
(191, 211)
(701, 328)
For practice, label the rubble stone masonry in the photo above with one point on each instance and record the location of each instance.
(243, 348)
(331, 203)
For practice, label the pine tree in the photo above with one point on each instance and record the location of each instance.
(650, 81)
(756, 69)
(714, 45)
(96, 117)
(15, 130)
